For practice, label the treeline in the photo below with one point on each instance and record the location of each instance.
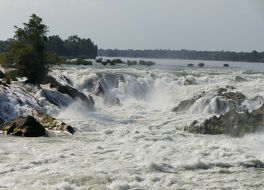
(73, 46)
(253, 56)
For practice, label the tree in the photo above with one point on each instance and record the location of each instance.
(29, 51)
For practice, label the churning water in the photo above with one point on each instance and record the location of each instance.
(139, 143)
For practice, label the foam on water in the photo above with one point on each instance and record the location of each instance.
(139, 144)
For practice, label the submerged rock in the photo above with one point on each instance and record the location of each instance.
(24, 126)
(240, 79)
(233, 123)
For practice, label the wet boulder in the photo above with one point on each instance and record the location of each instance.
(240, 79)
(2, 75)
(232, 123)
(24, 126)
(237, 97)
(98, 89)
(53, 124)
(186, 104)
(221, 97)
(75, 94)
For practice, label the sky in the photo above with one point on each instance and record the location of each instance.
(230, 25)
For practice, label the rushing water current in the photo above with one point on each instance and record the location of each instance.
(139, 143)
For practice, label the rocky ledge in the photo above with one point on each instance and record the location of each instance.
(40, 125)
(233, 123)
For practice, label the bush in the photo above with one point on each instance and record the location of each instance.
(129, 63)
(117, 61)
(99, 60)
(11, 75)
(53, 59)
(80, 62)
(5, 60)
(28, 50)
(147, 63)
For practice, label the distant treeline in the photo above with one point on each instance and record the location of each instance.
(73, 46)
(253, 56)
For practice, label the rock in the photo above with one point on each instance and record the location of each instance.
(24, 126)
(240, 79)
(201, 64)
(2, 75)
(233, 123)
(98, 89)
(237, 97)
(186, 104)
(189, 82)
(190, 65)
(75, 94)
(1, 122)
(54, 97)
(226, 65)
(52, 81)
(70, 91)
(52, 124)
(233, 100)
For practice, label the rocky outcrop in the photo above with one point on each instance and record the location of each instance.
(24, 126)
(75, 94)
(53, 124)
(186, 104)
(240, 79)
(2, 75)
(233, 123)
(70, 91)
(233, 100)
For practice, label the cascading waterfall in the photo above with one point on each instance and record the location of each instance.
(134, 137)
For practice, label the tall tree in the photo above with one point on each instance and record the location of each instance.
(29, 51)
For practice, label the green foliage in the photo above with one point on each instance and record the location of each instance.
(5, 60)
(214, 129)
(29, 51)
(99, 60)
(253, 56)
(53, 58)
(148, 63)
(129, 63)
(72, 47)
(117, 61)
(11, 75)
(79, 61)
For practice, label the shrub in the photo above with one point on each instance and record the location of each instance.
(147, 63)
(131, 63)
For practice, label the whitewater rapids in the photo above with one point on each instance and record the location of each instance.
(139, 144)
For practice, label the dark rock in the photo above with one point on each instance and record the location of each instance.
(189, 82)
(70, 91)
(55, 98)
(98, 89)
(190, 65)
(226, 65)
(75, 94)
(235, 96)
(233, 123)
(67, 80)
(52, 81)
(24, 126)
(2, 75)
(201, 64)
(234, 100)
(240, 79)
(52, 124)
(186, 104)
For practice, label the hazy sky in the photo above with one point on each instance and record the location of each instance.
(147, 24)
